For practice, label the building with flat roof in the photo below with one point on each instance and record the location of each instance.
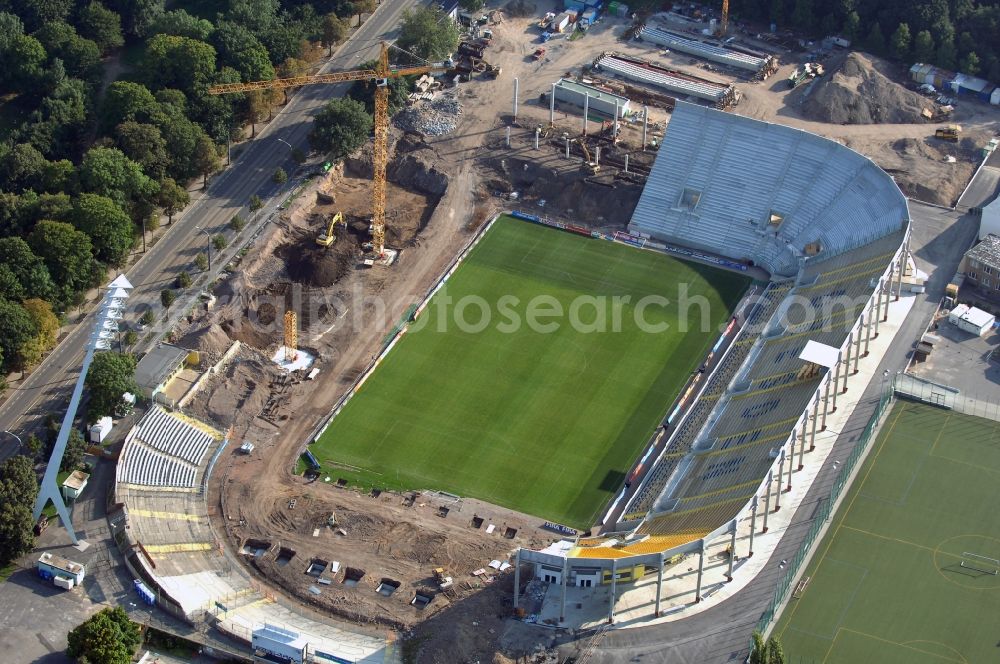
(600, 101)
(51, 566)
(981, 266)
(74, 485)
(158, 367)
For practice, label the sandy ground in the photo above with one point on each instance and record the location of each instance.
(444, 188)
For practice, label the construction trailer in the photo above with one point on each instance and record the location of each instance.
(761, 65)
(100, 429)
(972, 320)
(600, 101)
(560, 23)
(61, 572)
(722, 95)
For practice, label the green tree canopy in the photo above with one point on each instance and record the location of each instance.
(16, 330)
(24, 62)
(29, 269)
(126, 101)
(18, 481)
(334, 30)
(341, 127)
(178, 22)
(947, 54)
(428, 33)
(110, 229)
(900, 42)
(970, 63)
(80, 56)
(875, 42)
(206, 157)
(172, 198)
(472, 5)
(108, 172)
(107, 637)
(145, 145)
(923, 47)
(178, 62)
(103, 26)
(241, 50)
(76, 447)
(68, 256)
(111, 375)
(10, 287)
(22, 167)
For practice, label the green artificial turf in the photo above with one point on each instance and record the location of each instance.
(544, 423)
(886, 584)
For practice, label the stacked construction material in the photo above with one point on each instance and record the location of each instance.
(720, 94)
(757, 64)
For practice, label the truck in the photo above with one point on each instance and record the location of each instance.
(539, 53)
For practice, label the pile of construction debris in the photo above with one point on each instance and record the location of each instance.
(432, 118)
(858, 92)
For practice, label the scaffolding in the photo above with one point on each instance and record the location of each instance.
(291, 336)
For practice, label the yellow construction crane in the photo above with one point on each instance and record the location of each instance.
(326, 239)
(724, 23)
(381, 74)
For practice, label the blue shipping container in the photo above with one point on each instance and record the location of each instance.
(573, 4)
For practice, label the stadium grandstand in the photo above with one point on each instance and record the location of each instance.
(832, 230)
(161, 523)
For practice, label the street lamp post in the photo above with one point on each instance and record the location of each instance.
(209, 236)
(16, 437)
(286, 143)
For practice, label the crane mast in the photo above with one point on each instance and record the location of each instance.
(380, 75)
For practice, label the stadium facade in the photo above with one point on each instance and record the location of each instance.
(832, 230)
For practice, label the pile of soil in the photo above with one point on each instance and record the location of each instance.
(859, 93)
(211, 339)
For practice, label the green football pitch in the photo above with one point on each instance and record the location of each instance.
(890, 582)
(544, 422)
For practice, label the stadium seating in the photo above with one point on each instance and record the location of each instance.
(165, 451)
(749, 190)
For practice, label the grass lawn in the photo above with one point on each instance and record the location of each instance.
(544, 423)
(887, 584)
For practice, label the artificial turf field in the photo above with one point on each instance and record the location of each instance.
(543, 423)
(886, 583)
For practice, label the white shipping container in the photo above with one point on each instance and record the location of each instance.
(63, 582)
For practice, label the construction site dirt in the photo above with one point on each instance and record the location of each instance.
(443, 187)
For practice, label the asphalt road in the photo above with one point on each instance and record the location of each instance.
(46, 390)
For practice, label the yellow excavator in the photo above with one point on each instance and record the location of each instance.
(327, 238)
(592, 165)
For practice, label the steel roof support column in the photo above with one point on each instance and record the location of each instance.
(767, 499)
(878, 308)
(868, 324)
(659, 586)
(777, 493)
(791, 460)
(753, 523)
(836, 384)
(562, 598)
(826, 400)
(701, 570)
(586, 110)
(847, 364)
(888, 290)
(802, 440)
(812, 435)
(614, 585)
(732, 550)
(857, 345)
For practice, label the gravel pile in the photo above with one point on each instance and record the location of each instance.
(859, 93)
(434, 118)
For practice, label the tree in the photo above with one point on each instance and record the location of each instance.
(27, 267)
(900, 42)
(125, 101)
(255, 203)
(172, 198)
(875, 42)
(334, 30)
(970, 64)
(237, 223)
(107, 637)
(34, 446)
(257, 107)
(178, 22)
(10, 287)
(110, 229)
(16, 330)
(758, 649)
(201, 262)
(178, 62)
(241, 50)
(472, 5)
(76, 447)
(108, 172)
(111, 375)
(803, 15)
(24, 63)
(44, 320)
(363, 7)
(923, 47)
(183, 280)
(947, 55)
(428, 33)
(147, 317)
(80, 56)
(206, 158)
(68, 256)
(145, 145)
(130, 338)
(167, 298)
(852, 27)
(11, 27)
(101, 25)
(23, 167)
(291, 68)
(219, 242)
(18, 481)
(341, 127)
(775, 653)
(280, 176)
